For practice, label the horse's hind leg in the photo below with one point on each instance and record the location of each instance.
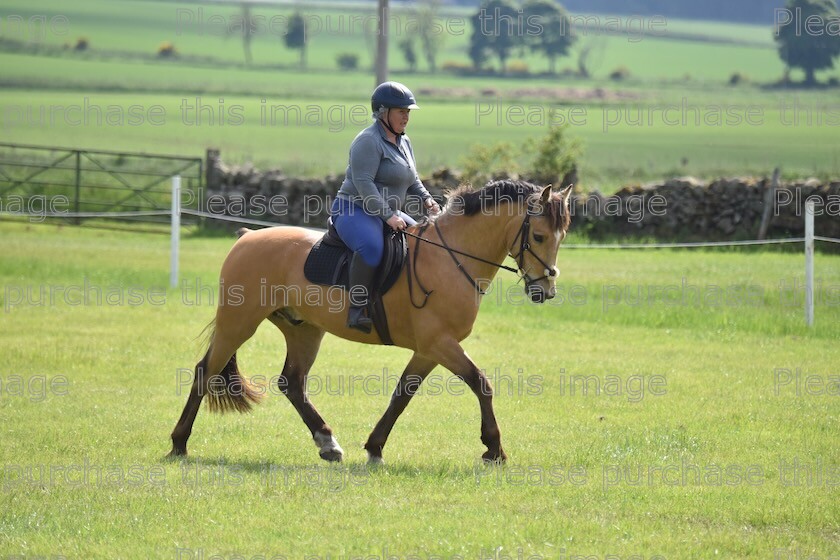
(183, 428)
(302, 344)
(219, 363)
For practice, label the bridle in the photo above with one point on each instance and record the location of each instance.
(524, 247)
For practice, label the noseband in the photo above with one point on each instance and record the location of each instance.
(525, 246)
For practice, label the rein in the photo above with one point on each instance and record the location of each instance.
(524, 246)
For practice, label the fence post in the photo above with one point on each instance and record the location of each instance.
(809, 262)
(76, 205)
(175, 234)
(769, 198)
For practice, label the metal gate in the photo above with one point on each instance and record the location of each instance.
(77, 185)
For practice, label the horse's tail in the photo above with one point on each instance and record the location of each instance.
(229, 390)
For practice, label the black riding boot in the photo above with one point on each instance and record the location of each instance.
(361, 281)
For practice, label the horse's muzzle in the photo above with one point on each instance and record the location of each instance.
(538, 294)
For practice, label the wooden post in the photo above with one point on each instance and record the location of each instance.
(769, 197)
(382, 43)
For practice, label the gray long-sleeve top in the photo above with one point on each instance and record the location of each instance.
(379, 174)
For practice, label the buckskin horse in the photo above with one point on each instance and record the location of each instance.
(463, 246)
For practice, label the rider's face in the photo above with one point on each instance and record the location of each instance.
(398, 119)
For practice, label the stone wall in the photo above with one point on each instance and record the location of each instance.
(682, 209)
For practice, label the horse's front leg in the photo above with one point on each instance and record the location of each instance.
(456, 360)
(415, 372)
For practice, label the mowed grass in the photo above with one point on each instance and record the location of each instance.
(698, 385)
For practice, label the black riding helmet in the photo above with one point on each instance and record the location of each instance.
(392, 95)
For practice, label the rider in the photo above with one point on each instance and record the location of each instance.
(380, 173)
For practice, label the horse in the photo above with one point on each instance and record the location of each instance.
(463, 246)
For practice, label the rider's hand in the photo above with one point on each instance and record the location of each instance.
(432, 207)
(396, 223)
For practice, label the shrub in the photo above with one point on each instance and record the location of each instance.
(347, 61)
(545, 160)
(619, 74)
(484, 163)
(82, 44)
(834, 81)
(457, 68)
(167, 50)
(517, 68)
(738, 78)
(554, 154)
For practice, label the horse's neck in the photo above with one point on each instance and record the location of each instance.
(481, 235)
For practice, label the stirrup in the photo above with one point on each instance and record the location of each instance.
(358, 319)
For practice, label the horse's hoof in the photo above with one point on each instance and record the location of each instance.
(332, 455)
(375, 461)
(175, 454)
(491, 458)
(328, 447)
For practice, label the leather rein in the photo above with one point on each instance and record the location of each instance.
(524, 247)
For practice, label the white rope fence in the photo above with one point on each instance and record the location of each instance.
(139, 213)
(687, 245)
(176, 212)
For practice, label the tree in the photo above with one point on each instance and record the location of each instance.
(547, 30)
(431, 36)
(246, 27)
(808, 36)
(497, 28)
(590, 56)
(407, 48)
(296, 36)
(478, 47)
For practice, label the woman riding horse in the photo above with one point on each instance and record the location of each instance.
(380, 174)
(262, 278)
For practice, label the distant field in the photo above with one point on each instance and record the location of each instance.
(120, 68)
(140, 27)
(623, 143)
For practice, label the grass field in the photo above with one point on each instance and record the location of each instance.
(622, 143)
(713, 432)
(139, 27)
(667, 404)
(120, 69)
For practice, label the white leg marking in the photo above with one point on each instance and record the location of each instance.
(375, 460)
(326, 443)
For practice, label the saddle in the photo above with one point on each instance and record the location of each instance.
(328, 264)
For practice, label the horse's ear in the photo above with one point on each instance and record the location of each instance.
(566, 194)
(545, 195)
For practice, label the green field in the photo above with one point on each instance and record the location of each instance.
(716, 437)
(120, 69)
(667, 404)
(622, 143)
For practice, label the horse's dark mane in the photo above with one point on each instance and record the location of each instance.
(469, 201)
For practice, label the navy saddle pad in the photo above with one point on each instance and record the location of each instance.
(328, 262)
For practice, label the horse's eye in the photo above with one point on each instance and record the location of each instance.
(539, 238)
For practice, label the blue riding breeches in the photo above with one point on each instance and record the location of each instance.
(360, 231)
